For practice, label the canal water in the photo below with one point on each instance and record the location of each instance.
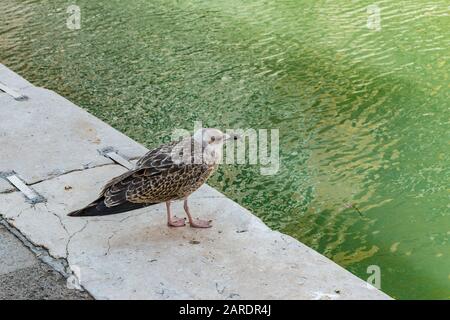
(359, 91)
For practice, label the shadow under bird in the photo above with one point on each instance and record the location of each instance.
(169, 172)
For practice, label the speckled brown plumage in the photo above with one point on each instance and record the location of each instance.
(156, 178)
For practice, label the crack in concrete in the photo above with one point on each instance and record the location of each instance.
(41, 252)
(59, 219)
(54, 176)
(67, 231)
(85, 167)
(72, 236)
(11, 190)
(109, 244)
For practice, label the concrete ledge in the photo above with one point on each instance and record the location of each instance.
(47, 135)
(12, 79)
(135, 255)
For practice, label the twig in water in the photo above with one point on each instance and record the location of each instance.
(353, 206)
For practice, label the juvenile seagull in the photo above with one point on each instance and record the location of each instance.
(170, 172)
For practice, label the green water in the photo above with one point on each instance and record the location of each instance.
(363, 114)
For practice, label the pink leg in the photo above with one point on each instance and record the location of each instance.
(174, 222)
(197, 223)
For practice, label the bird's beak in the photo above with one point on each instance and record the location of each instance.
(232, 136)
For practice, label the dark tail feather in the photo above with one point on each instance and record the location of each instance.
(98, 208)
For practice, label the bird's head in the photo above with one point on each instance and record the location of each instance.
(211, 137)
(212, 141)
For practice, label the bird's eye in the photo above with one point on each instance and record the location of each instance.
(213, 139)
